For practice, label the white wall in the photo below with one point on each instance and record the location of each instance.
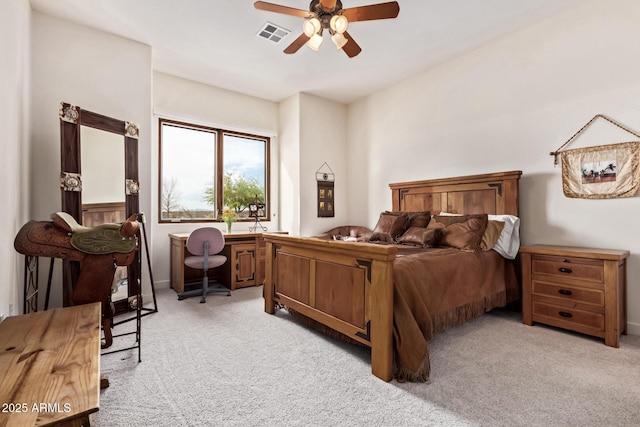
(312, 132)
(98, 72)
(185, 100)
(505, 106)
(323, 138)
(14, 123)
(289, 181)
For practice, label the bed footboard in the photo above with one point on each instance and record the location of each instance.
(345, 286)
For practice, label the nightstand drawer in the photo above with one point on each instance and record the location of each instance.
(566, 293)
(569, 318)
(567, 267)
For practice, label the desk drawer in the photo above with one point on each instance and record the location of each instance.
(569, 293)
(565, 267)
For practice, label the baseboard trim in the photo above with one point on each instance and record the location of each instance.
(633, 328)
(162, 284)
(147, 296)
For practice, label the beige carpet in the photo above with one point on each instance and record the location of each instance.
(227, 363)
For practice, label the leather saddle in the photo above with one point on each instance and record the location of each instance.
(98, 250)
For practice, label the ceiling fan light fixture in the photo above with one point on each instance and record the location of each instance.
(331, 16)
(311, 26)
(339, 40)
(339, 23)
(314, 42)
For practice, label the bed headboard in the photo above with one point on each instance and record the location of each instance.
(492, 193)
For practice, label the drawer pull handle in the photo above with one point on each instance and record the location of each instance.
(565, 270)
(565, 314)
(565, 292)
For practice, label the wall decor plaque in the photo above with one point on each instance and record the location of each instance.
(325, 178)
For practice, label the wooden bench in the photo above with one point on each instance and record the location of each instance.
(50, 367)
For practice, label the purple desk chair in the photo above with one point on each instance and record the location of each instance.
(205, 245)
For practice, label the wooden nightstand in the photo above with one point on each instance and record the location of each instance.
(580, 289)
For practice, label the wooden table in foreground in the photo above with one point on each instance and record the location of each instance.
(50, 367)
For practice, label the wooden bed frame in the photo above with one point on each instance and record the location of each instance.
(348, 287)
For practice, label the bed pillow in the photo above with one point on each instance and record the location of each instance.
(461, 232)
(440, 220)
(421, 236)
(418, 219)
(508, 243)
(390, 225)
(414, 219)
(491, 234)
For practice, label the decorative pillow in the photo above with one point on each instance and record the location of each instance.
(418, 219)
(491, 234)
(439, 221)
(388, 228)
(461, 232)
(508, 243)
(414, 219)
(421, 236)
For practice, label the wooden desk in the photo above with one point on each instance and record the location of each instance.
(245, 254)
(50, 367)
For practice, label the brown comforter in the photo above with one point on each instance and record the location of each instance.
(439, 288)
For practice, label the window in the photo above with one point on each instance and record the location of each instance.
(204, 171)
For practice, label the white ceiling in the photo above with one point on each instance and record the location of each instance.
(215, 42)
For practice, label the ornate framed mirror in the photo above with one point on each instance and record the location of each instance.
(107, 150)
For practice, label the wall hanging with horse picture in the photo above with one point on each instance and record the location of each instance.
(600, 172)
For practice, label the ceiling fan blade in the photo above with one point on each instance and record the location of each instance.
(297, 44)
(270, 7)
(351, 48)
(328, 5)
(372, 11)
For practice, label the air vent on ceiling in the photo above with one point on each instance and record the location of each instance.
(273, 32)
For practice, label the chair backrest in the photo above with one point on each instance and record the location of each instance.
(195, 242)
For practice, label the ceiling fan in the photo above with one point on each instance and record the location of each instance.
(329, 15)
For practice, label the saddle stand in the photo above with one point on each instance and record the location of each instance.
(98, 250)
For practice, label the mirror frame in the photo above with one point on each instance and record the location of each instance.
(71, 118)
